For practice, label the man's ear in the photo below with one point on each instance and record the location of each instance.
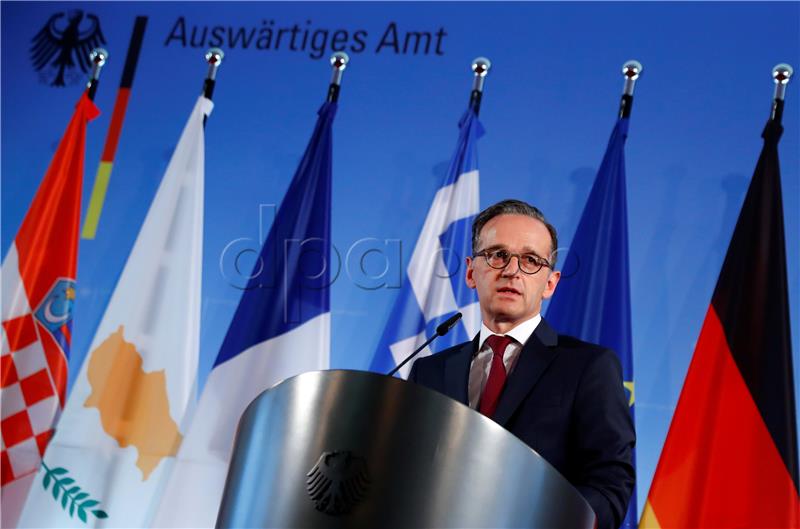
(469, 279)
(552, 281)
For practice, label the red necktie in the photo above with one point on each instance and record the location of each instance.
(497, 375)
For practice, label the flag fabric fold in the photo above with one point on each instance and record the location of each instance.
(730, 458)
(38, 294)
(593, 299)
(122, 423)
(281, 328)
(434, 288)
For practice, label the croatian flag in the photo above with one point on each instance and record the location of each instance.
(38, 294)
(281, 328)
(435, 288)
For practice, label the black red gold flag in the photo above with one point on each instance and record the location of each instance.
(730, 458)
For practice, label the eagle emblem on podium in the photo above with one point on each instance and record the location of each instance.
(337, 482)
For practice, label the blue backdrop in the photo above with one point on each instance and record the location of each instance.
(549, 106)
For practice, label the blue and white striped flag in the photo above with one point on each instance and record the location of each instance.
(435, 288)
(281, 328)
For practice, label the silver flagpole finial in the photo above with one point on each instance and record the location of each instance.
(339, 62)
(631, 70)
(98, 56)
(214, 58)
(481, 67)
(781, 74)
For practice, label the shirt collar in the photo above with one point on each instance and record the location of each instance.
(520, 333)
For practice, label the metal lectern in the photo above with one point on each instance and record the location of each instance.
(336, 449)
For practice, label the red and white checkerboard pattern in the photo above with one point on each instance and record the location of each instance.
(30, 401)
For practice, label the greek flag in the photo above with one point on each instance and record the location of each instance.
(434, 288)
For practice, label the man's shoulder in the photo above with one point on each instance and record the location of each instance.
(574, 347)
(571, 343)
(587, 352)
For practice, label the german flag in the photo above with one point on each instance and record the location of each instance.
(103, 175)
(730, 458)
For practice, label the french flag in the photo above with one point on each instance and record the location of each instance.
(281, 328)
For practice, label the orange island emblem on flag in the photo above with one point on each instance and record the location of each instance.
(133, 404)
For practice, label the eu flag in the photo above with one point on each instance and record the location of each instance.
(593, 299)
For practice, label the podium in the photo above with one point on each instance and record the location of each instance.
(352, 449)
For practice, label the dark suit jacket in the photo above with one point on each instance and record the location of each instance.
(565, 400)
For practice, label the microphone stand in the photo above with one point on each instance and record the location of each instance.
(441, 330)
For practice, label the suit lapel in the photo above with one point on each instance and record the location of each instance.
(536, 355)
(456, 371)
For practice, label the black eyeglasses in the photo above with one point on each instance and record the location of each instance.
(529, 263)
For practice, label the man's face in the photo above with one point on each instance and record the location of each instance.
(509, 296)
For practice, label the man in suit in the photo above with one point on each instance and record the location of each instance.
(561, 396)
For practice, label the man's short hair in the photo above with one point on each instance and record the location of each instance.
(513, 207)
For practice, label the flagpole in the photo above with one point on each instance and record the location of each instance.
(631, 70)
(339, 62)
(214, 58)
(99, 56)
(781, 74)
(480, 67)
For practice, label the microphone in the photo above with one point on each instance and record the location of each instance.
(441, 330)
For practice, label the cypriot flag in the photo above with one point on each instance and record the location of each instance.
(121, 425)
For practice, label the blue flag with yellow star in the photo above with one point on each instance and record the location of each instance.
(593, 301)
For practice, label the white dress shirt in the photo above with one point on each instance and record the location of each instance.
(482, 360)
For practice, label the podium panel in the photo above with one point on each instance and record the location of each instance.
(347, 449)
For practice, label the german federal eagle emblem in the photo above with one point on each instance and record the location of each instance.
(337, 482)
(66, 40)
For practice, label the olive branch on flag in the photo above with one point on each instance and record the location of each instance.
(73, 496)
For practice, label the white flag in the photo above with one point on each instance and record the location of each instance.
(277, 332)
(121, 426)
